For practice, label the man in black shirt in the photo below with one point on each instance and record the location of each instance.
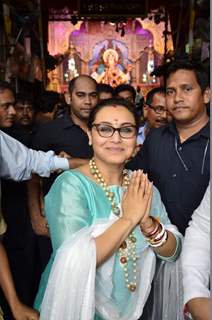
(65, 134)
(176, 156)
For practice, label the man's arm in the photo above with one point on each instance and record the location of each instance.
(19, 310)
(17, 162)
(77, 162)
(35, 205)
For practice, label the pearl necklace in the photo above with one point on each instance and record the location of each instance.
(127, 254)
(127, 250)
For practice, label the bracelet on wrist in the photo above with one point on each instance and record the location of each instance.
(160, 234)
(161, 242)
(157, 236)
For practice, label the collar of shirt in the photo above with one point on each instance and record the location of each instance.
(67, 121)
(141, 130)
(141, 134)
(205, 131)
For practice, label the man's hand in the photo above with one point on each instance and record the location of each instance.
(63, 154)
(40, 225)
(22, 312)
(73, 162)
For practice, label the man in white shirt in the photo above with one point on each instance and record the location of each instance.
(17, 162)
(196, 261)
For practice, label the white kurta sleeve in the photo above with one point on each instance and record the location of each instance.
(17, 162)
(196, 252)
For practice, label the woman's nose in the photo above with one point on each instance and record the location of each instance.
(116, 136)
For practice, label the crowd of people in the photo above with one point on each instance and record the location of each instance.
(109, 218)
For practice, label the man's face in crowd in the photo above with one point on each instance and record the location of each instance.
(185, 100)
(7, 110)
(126, 94)
(83, 98)
(156, 114)
(24, 113)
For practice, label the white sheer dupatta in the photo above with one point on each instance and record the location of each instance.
(76, 288)
(70, 293)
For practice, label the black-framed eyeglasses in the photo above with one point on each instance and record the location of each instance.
(158, 109)
(107, 131)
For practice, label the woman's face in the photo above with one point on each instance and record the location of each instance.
(114, 149)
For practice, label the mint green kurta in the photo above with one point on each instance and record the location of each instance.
(76, 201)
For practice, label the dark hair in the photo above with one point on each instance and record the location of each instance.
(111, 102)
(25, 98)
(4, 85)
(48, 100)
(125, 87)
(151, 93)
(202, 76)
(103, 87)
(72, 83)
(138, 89)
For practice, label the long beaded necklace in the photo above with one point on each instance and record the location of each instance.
(127, 250)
